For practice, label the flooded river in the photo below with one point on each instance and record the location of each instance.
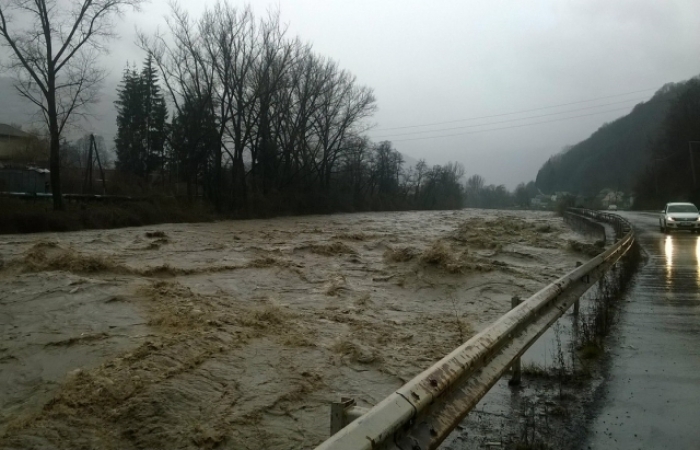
(239, 334)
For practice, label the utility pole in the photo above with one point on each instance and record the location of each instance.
(87, 182)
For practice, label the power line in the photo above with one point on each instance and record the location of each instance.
(517, 112)
(507, 121)
(512, 126)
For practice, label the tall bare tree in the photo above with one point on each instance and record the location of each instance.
(54, 47)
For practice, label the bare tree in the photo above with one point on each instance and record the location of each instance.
(54, 45)
(286, 118)
(344, 105)
(475, 186)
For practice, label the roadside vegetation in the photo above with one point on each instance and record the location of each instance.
(556, 394)
(21, 216)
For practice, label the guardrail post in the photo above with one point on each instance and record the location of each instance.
(516, 372)
(344, 412)
(578, 300)
(338, 414)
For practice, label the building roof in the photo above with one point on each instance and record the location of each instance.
(7, 130)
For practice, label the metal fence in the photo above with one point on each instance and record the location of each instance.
(423, 412)
(24, 180)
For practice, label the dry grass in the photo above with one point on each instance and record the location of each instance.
(534, 370)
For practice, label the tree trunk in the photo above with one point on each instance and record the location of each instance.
(54, 155)
(218, 186)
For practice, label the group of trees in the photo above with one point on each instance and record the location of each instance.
(255, 117)
(260, 119)
(479, 195)
(255, 114)
(53, 51)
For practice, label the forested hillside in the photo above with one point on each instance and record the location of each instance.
(673, 169)
(612, 157)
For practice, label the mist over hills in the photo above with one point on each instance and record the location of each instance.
(613, 156)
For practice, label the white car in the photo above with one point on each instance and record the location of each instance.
(679, 216)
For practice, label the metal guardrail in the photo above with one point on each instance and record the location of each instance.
(587, 226)
(423, 412)
(70, 197)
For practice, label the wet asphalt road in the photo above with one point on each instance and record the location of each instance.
(653, 393)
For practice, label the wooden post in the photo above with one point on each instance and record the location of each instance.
(99, 164)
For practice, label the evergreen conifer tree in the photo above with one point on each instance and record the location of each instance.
(141, 122)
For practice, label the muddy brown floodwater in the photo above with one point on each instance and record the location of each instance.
(239, 334)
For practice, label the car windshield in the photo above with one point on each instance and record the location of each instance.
(682, 209)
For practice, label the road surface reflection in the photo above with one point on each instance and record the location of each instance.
(681, 256)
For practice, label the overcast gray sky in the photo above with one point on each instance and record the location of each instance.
(441, 62)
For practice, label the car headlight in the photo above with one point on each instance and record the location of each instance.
(671, 219)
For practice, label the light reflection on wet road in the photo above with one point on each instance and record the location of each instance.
(653, 395)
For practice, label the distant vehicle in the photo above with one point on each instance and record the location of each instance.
(679, 216)
(612, 207)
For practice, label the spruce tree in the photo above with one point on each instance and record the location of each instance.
(141, 122)
(194, 138)
(129, 116)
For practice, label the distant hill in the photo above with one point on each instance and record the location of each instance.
(613, 156)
